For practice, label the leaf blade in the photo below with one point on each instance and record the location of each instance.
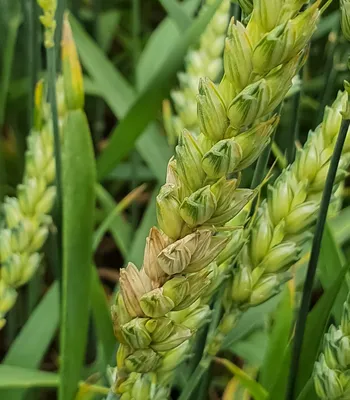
(175, 12)
(279, 338)
(17, 377)
(145, 107)
(31, 344)
(78, 208)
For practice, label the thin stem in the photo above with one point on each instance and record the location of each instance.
(30, 8)
(34, 54)
(207, 333)
(216, 316)
(203, 387)
(31, 12)
(57, 239)
(51, 65)
(215, 320)
(61, 6)
(214, 340)
(315, 251)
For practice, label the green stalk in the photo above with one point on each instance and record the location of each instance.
(51, 66)
(207, 332)
(57, 237)
(61, 6)
(215, 320)
(204, 364)
(213, 345)
(33, 54)
(315, 251)
(31, 10)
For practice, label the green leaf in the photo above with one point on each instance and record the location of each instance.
(251, 320)
(31, 344)
(145, 108)
(159, 46)
(257, 391)
(91, 87)
(326, 24)
(78, 182)
(124, 172)
(119, 95)
(156, 156)
(121, 230)
(33, 340)
(330, 264)
(316, 325)
(279, 338)
(308, 393)
(102, 318)
(17, 377)
(117, 92)
(252, 349)
(175, 12)
(109, 221)
(107, 24)
(149, 219)
(340, 225)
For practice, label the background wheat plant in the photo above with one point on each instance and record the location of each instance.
(174, 199)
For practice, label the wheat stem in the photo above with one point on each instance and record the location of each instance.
(315, 251)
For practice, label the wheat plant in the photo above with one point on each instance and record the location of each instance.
(216, 299)
(199, 198)
(27, 219)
